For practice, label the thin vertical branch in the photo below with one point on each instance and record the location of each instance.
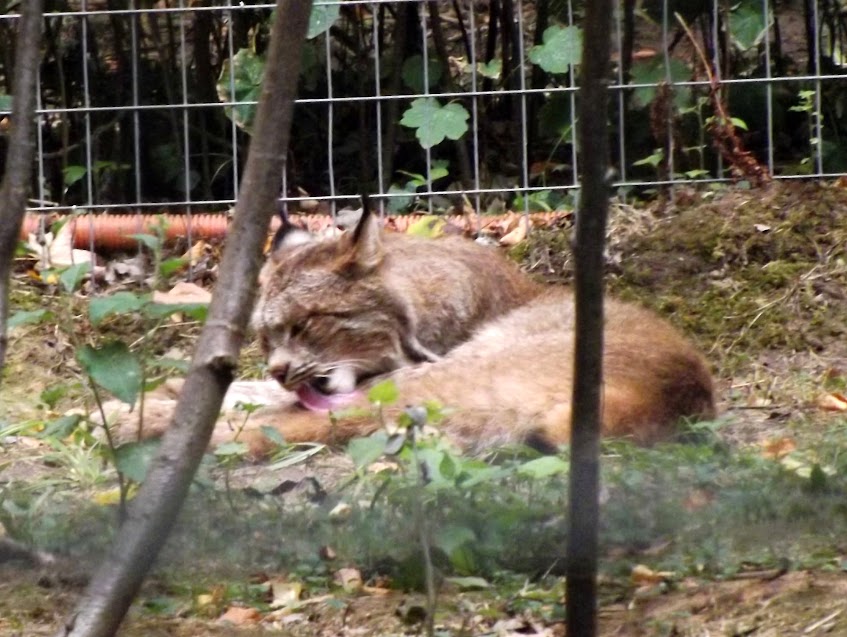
(21, 152)
(588, 373)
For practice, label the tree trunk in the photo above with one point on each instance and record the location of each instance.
(21, 153)
(152, 515)
(588, 371)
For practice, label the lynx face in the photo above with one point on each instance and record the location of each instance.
(326, 320)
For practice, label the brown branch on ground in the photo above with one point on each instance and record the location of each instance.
(725, 139)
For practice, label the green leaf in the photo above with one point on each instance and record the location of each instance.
(428, 227)
(544, 467)
(231, 449)
(561, 48)
(469, 583)
(118, 303)
(133, 459)
(151, 242)
(434, 122)
(747, 24)
(73, 275)
(400, 203)
(413, 76)
(492, 70)
(52, 395)
(73, 174)
(323, 16)
(172, 265)
(62, 427)
(653, 72)
(247, 70)
(28, 317)
(273, 434)
(364, 451)
(114, 367)
(384, 393)
(195, 311)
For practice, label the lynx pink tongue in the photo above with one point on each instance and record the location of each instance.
(312, 399)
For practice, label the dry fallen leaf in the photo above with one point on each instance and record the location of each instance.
(642, 574)
(833, 401)
(517, 235)
(240, 616)
(284, 593)
(183, 292)
(778, 447)
(350, 579)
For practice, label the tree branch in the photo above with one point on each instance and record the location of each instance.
(21, 152)
(102, 608)
(588, 356)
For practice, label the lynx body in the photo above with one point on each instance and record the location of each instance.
(457, 323)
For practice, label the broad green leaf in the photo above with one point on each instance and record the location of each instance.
(114, 367)
(491, 69)
(248, 70)
(364, 451)
(653, 72)
(434, 122)
(172, 265)
(384, 393)
(133, 459)
(73, 174)
(561, 48)
(61, 427)
(273, 434)
(28, 317)
(405, 197)
(195, 311)
(323, 16)
(118, 303)
(413, 76)
(544, 467)
(457, 543)
(73, 275)
(151, 242)
(747, 24)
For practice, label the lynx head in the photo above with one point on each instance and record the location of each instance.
(326, 318)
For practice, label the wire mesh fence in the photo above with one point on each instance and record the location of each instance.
(146, 106)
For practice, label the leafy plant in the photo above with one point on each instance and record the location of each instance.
(433, 123)
(560, 50)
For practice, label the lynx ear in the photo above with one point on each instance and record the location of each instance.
(288, 235)
(366, 245)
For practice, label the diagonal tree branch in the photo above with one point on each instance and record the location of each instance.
(21, 152)
(105, 602)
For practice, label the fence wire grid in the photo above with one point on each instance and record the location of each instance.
(146, 107)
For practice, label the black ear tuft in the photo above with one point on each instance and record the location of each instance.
(288, 234)
(364, 219)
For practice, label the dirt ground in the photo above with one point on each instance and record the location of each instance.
(758, 278)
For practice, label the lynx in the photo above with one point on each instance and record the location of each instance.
(334, 313)
(458, 324)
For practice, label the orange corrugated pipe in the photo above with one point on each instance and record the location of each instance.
(113, 231)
